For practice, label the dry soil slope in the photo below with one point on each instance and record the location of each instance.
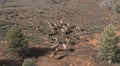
(87, 13)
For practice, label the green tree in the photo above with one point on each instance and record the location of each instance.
(28, 62)
(107, 46)
(16, 40)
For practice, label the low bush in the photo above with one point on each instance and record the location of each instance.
(28, 62)
(112, 5)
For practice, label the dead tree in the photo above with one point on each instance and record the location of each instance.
(3, 2)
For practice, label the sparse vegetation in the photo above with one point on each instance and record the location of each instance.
(59, 32)
(113, 5)
(4, 27)
(16, 40)
(107, 47)
(28, 62)
(116, 7)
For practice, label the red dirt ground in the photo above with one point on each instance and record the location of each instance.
(35, 13)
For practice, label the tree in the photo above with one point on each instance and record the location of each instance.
(108, 43)
(16, 40)
(28, 62)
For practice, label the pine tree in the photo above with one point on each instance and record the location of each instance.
(16, 40)
(108, 43)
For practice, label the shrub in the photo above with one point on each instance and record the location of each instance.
(116, 7)
(16, 40)
(107, 46)
(113, 5)
(107, 4)
(28, 62)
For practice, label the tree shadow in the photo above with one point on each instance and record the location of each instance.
(116, 58)
(36, 52)
(33, 52)
(8, 62)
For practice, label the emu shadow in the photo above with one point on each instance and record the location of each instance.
(36, 52)
(61, 57)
